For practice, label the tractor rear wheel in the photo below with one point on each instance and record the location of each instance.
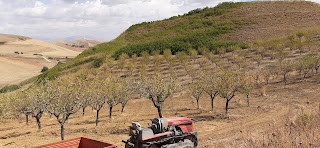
(193, 139)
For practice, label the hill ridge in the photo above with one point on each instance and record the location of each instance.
(228, 25)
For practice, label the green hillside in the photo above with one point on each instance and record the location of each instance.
(229, 26)
(195, 29)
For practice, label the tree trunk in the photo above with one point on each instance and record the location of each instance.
(212, 99)
(285, 78)
(122, 108)
(97, 117)
(227, 104)
(110, 111)
(83, 110)
(62, 131)
(38, 122)
(159, 111)
(198, 107)
(38, 117)
(27, 119)
(212, 103)
(248, 103)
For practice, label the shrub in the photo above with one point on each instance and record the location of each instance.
(98, 62)
(44, 69)
(9, 88)
(305, 119)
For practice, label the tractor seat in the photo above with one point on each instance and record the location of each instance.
(159, 125)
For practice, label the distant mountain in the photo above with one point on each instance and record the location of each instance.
(77, 37)
(23, 57)
(82, 43)
(10, 38)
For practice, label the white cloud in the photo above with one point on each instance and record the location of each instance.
(102, 19)
(37, 10)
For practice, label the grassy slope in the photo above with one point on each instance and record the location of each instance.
(198, 28)
(225, 25)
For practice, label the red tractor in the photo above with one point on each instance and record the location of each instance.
(177, 132)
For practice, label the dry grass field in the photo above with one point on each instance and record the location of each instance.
(22, 58)
(267, 20)
(283, 107)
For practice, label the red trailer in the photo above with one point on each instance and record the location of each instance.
(78, 143)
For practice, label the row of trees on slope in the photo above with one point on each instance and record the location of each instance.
(67, 95)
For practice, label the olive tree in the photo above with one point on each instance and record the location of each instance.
(228, 83)
(305, 65)
(286, 67)
(268, 72)
(84, 95)
(247, 87)
(99, 89)
(21, 104)
(145, 58)
(127, 88)
(281, 55)
(156, 60)
(113, 94)
(157, 89)
(167, 54)
(183, 58)
(300, 43)
(38, 102)
(193, 54)
(64, 100)
(196, 91)
(292, 41)
(210, 85)
(316, 63)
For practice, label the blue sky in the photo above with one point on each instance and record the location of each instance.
(100, 19)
